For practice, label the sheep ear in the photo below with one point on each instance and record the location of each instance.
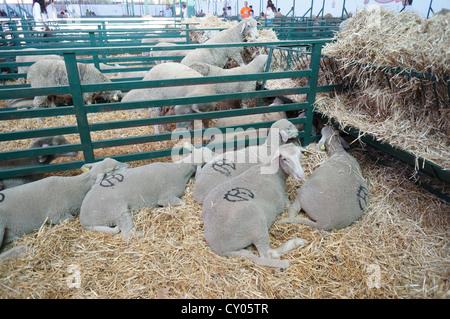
(86, 168)
(244, 25)
(42, 158)
(284, 135)
(304, 151)
(344, 143)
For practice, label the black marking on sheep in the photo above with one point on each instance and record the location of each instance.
(224, 167)
(239, 194)
(2, 197)
(107, 182)
(363, 196)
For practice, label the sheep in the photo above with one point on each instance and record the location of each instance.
(33, 161)
(109, 204)
(33, 58)
(220, 56)
(248, 119)
(171, 70)
(232, 163)
(257, 65)
(336, 194)
(54, 199)
(167, 53)
(239, 212)
(146, 41)
(45, 73)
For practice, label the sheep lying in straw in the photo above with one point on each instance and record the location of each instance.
(167, 71)
(33, 161)
(238, 213)
(46, 73)
(336, 194)
(256, 66)
(54, 199)
(230, 164)
(220, 56)
(109, 205)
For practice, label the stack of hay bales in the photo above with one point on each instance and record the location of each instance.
(379, 54)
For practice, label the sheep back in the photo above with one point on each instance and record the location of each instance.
(167, 71)
(239, 205)
(145, 186)
(53, 73)
(336, 194)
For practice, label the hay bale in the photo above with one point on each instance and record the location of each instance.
(396, 129)
(381, 38)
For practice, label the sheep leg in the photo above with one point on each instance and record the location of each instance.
(258, 260)
(301, 220)
(104, 229)
(40, 101)
(170, 201)
(126, 225)
(245, 103)
(14, 252)
(287, 247)
(294, 208)
(260, 238)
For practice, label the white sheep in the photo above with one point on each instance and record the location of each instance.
(220, 56)
(54, 199)
(336, 194)
(257, 65)
(33, 58)
(167, 71)
(166, 52)
(232, 163)
(33, 161)
(110, 203)
(248, 119)
(239, 212)
(45, 73)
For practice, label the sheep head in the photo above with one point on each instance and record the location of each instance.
(331, 140)
(287, 157)
(249, 28)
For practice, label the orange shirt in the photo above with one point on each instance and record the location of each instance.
(245, 12)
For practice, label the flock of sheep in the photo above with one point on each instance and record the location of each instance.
(241, 191)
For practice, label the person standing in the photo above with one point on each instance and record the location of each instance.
(269, 16)
(167, 12)
(184, 12)
(40, 15)
(51, 12)
(245, 11)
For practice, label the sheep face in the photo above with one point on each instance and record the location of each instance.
(330, 139)
(107, 96)
(288, 159)
(51, 141)
(249, 28)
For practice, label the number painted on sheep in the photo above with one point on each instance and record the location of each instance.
(108, 182)
(239, 194)
(224, 167)
(363, 197)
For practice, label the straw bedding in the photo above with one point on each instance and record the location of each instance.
(404, 233)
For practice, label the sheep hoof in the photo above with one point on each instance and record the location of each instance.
(14, 252)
